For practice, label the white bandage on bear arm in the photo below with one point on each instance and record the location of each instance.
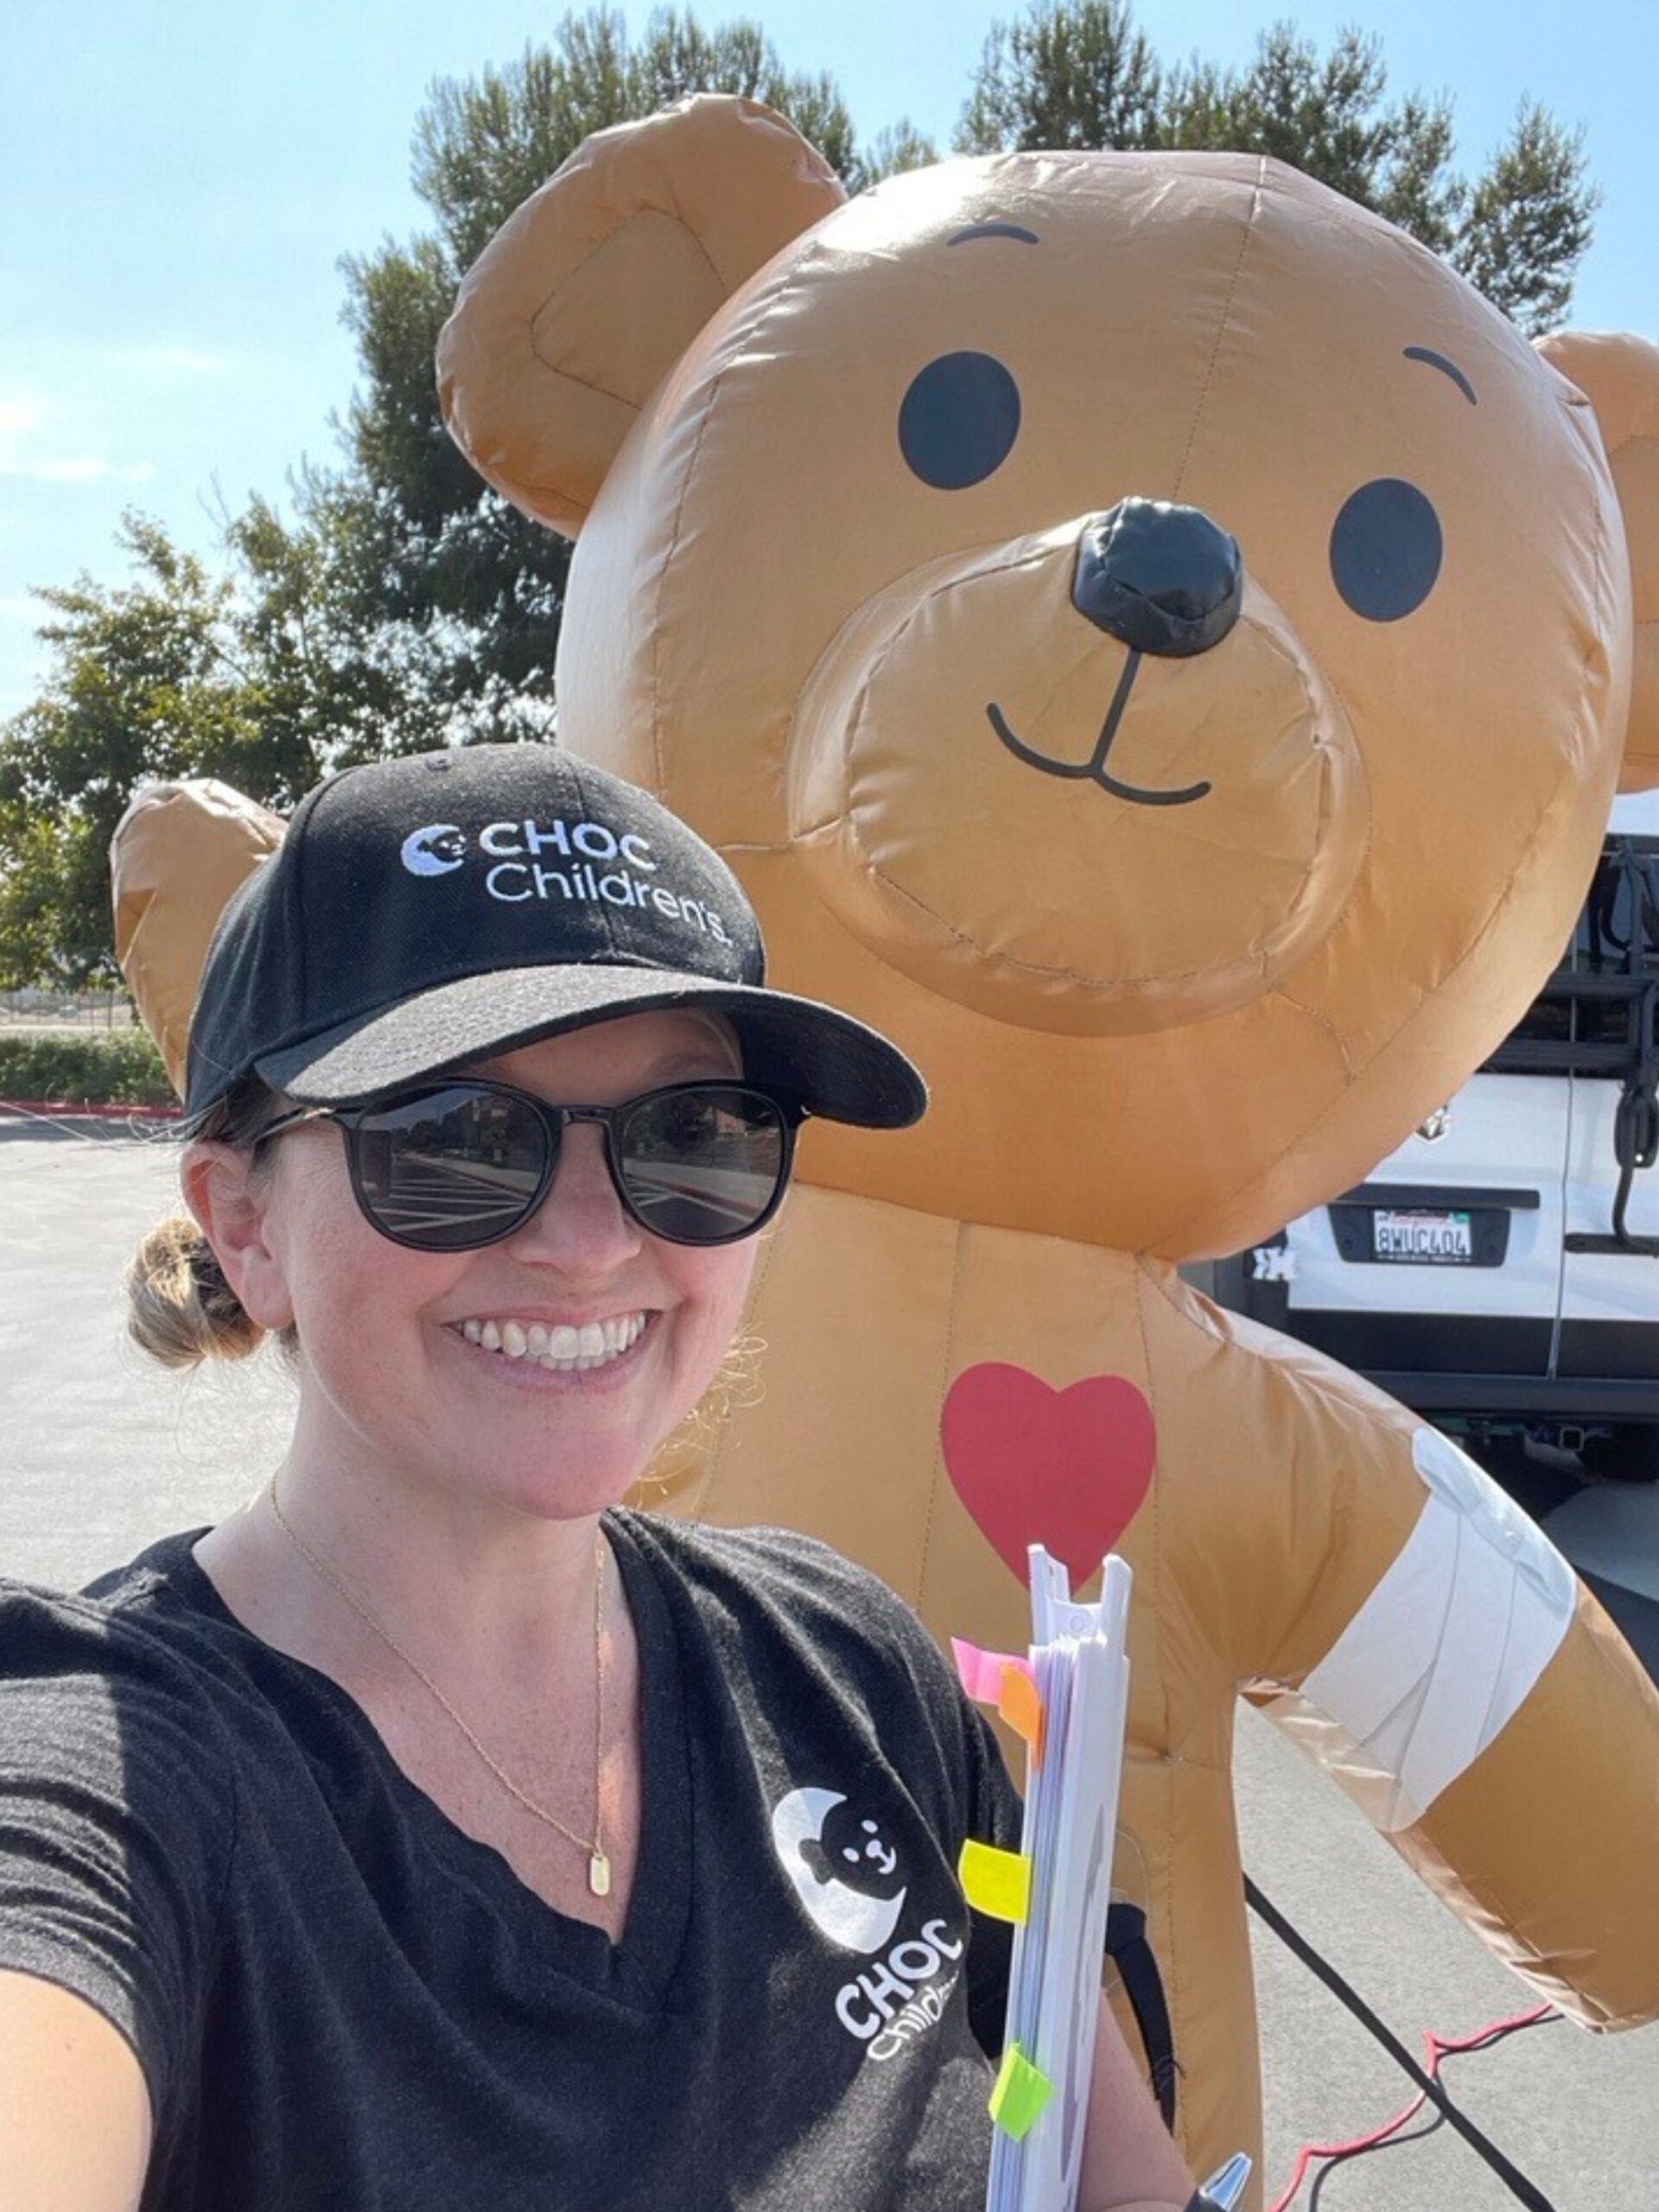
(1445, 1649)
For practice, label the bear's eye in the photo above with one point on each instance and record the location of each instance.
(1386, 549)
(959, 420)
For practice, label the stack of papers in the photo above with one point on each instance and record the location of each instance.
(1068, 1699)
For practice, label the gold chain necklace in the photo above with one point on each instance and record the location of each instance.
(599, 1864)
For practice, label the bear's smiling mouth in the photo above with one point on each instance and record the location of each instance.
(1093, 769)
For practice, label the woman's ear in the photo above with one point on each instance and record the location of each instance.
(231, 1206)
(1620, 376)
(585, 298)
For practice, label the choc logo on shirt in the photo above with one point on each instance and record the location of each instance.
(847, 1876)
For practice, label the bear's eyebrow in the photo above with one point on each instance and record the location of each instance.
(1446, 368)
(995, 231)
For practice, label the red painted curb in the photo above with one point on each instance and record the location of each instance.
(57, 1110)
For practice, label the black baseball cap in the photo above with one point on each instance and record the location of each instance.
(431, 910)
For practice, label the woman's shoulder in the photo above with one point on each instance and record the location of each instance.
(118, 1800)
(768, 1561)
(107, 1725)
(130, 1644)
(140, 1597)
(808, 1591)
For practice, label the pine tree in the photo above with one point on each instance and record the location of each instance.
(1079, 72)
(482, 584)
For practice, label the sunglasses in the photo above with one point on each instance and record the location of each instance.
(452, 1166)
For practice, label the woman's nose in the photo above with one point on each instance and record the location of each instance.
(582, 1226)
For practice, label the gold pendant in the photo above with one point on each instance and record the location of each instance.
(599, 1873)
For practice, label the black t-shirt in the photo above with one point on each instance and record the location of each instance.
(342, 2003)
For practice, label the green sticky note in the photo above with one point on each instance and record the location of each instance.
(996, 1882)
(1019, 2094)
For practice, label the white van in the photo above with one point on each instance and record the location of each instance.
(1500, 1271)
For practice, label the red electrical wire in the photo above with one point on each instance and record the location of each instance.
(1435, 2048)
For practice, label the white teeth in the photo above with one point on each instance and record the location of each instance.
(568, 1350)
(562, 1348)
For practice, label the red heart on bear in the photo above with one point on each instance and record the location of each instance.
(1066, 1468)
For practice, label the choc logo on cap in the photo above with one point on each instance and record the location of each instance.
(578, 861)
(447, 871)
(435, 850)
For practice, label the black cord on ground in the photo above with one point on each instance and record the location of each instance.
(1500, 2034)
(1509, 2173)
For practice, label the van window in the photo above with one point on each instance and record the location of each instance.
(1586, 1012)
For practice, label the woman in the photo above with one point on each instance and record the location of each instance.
(419, 1836)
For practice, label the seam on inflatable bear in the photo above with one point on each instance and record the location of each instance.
(760, 307)
(1250, 214)
(947, 1372)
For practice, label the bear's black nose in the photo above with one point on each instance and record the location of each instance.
(1163, 579)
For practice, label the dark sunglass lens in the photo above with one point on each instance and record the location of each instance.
(446, 1170)
(703, 1164)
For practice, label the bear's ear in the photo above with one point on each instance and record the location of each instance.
(586, 297)
(1620, 376)
(178, 852)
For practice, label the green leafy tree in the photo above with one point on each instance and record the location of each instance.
(400, 603)
(261, 676)
(1079, 72)
(145, 683)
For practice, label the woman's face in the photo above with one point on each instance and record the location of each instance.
(389, 1361)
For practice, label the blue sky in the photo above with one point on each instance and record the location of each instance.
(179, 179)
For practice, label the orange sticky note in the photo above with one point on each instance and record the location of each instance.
(1021, 1708)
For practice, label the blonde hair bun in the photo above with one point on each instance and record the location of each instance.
(181, 1309)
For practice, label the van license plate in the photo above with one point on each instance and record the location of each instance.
(1441, 1240)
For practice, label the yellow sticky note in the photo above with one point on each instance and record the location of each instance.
(1019, 2093)
(996, 1882)
(1021, 1708)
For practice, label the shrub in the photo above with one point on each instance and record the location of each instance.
(111, 1067)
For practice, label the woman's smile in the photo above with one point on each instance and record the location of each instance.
(521, 1349)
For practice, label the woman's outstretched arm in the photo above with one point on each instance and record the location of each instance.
(75, 2113)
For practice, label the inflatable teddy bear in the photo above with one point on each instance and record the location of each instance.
(1158, 643)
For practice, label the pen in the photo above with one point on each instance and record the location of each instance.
(1224, 2187)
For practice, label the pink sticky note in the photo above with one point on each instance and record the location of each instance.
(980, 1672)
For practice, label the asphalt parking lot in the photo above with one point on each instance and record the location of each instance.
(100, 1453)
